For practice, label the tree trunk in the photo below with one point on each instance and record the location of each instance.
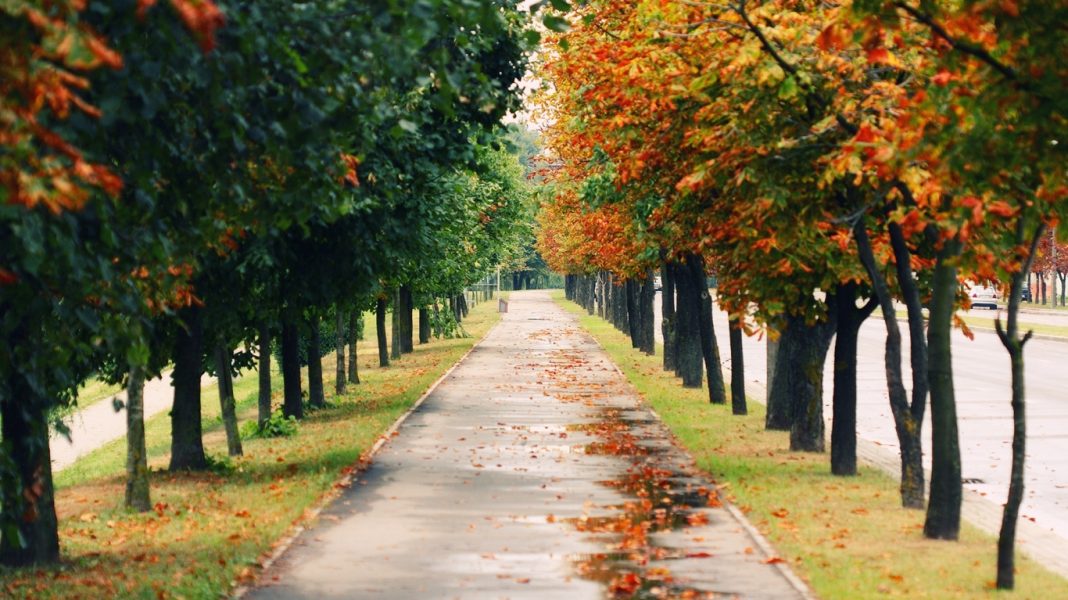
(424, 325)
(316, 393)
(340, 321)
(437, 329)
(911, 421)
(30, 507)
(464, 310)
(602, 294)
(137, 488)
(646, 329)
(264, 400)
(738, 404)
(1052, 269)
(844, 400)
(943, 508)
(187, 444)
(1010, 338)
(227, 407)
(668, 323)
(807, 433)
(717, 393)
(630, 289)
(772, 357)
(355, 322)
(380, 329)
(589, 284)
(797, 391)
(396, 327)
(293, 402)
(688, 330)
(906, 423)
(407, 326)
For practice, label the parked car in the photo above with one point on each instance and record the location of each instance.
(656, 283)
(983, 295)
(1025, 294)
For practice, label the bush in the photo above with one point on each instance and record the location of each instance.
(278, 425)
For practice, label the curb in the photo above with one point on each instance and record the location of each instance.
(345, 481)
(758, 538)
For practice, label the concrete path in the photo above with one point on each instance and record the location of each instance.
(982, 379)
(99, 424)
(531, 471)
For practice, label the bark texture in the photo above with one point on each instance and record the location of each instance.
(292, 402)
(1014, 344)
(227, 408)
(907, 419)
(263, 402)
(25, 436)
(187, 444)
(316, 392)
(380, 330)
(738, 403)
(844, 400)
(646, 328)
(943, 508)
(137, 489)
(424, 325)
(396, 327)
(340, 378)
(717, 393)
(355, 319)
(667, 310)
(689, 356)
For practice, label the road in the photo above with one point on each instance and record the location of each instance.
(982, 379)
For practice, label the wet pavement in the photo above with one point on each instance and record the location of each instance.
(531, 471)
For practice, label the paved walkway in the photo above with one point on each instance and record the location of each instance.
(531, 471)
(99, 424)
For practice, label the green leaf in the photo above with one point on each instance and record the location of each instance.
(788, 88)
(555, 23)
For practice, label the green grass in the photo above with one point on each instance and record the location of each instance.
(848, 537)
(209, 531)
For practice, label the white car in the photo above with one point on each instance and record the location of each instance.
(983, 295)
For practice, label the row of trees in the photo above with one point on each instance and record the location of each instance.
(181, 181)
(822, 160)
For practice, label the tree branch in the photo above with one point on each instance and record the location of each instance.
(962, 46)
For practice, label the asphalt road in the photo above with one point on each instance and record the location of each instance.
(982, 378)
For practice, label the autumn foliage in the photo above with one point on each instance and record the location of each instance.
(43, 67)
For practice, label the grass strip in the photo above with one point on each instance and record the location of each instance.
(982, 323)
(848, 537)
(210, 531)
